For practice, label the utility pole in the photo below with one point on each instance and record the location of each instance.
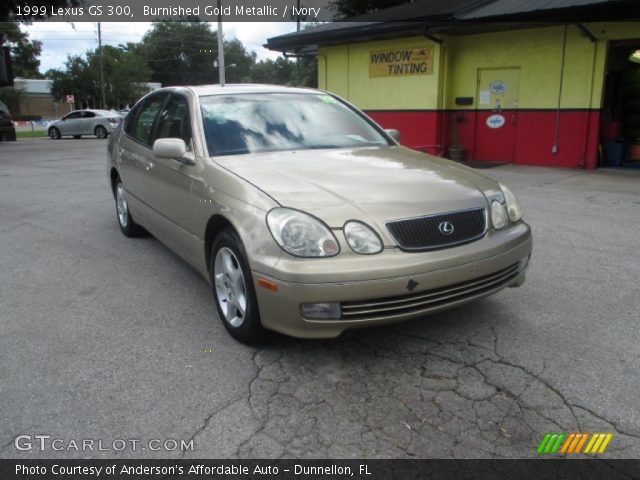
(104, 101)
(220, 45)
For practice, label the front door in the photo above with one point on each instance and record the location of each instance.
(71, 124)
(497, 114)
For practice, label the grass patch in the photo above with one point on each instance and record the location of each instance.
(30, 134)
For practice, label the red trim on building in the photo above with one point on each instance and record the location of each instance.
(419, 129)
(526, 138)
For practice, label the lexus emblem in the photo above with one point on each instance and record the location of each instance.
(446, 228)
(411, 286)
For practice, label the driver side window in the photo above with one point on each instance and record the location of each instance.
(174, 121)
(140, 121)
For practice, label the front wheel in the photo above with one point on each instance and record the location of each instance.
(54, 133)
(233, 289)
(100, 132)
(127, 225)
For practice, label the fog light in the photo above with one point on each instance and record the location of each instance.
(523, 264)
(320, 311)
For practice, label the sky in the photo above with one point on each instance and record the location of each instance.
(60, 39)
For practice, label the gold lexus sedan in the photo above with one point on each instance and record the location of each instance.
(306, 216)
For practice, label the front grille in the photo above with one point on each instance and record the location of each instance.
(428, 299)
(426, 233)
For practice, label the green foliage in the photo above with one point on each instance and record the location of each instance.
(180, 53)
(11, 96)
(125, 75)
(302, 72)
(350, 8)
(172, 53)
(25, 53)
(184, 53)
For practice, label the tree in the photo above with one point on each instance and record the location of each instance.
(184, 53)
(301, 72)
(351, 8)
(125, 75)
(11, 97)
(25, 53)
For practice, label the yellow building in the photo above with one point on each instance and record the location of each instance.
(539, 86)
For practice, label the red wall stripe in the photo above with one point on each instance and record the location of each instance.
(578, 137)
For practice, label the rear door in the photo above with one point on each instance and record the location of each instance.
(87, 122)
(497, 115)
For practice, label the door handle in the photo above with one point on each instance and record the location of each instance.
(514, 119)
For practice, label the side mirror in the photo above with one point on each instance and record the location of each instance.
(173, 148)
(393, 133)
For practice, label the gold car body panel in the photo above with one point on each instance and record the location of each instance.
(373, 185)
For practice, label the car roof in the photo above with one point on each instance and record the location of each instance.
(206, 90)
(102, 112)
(94, 110)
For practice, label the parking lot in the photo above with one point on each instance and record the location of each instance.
(103, 337)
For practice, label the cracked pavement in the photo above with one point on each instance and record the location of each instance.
(107, 338)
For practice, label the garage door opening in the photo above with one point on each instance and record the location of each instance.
(620, 134)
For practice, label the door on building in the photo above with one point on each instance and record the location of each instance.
(496, 129)
(620, 135)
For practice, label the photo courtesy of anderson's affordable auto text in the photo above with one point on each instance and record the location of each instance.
(319, 239)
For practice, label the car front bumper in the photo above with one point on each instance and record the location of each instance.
(394, 286)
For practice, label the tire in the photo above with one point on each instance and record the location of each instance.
(54, 133)
(100, 132)
(128, 227)
(77, 136)
(233, 289)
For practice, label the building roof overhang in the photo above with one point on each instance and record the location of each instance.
(462, 17)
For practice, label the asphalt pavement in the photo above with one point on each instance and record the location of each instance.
(110, 339)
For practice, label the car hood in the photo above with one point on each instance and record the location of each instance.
(374, 185)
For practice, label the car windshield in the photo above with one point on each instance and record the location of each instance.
(256, 122)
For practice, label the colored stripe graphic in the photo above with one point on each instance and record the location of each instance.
(550, 443)
(598, 443)
(573, 443)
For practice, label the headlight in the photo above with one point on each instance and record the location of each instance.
(498, 215)
(300, 234)
(361, 238)
(513, 206)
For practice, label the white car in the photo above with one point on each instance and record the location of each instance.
(85, 122)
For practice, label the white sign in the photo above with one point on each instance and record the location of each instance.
(70, 99)
(495, 121)
(485, 97)
(499, 87)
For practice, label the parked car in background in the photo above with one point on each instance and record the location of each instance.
(306, 216)
(7, 129)
(85, 122)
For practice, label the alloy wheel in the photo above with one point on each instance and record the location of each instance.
(121, 206)
(230, 287)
